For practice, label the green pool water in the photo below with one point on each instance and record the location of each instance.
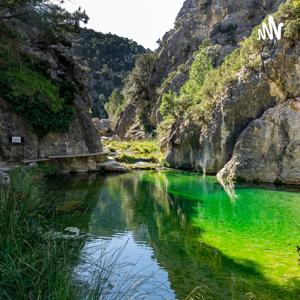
(190, 232)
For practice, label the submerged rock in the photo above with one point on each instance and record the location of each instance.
(113, 166)
(70, 233)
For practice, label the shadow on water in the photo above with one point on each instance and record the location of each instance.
(242, 249)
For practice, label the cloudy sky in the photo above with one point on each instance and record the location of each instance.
(144, 21)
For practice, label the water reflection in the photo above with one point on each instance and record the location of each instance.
(187, 232)
(229, 188)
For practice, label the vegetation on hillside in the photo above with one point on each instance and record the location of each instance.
(25, 82)
(47, 14)
(291, 13)
(139, 90)
(198, 96)
(109, 59)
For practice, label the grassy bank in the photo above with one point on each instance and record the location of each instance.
(32, 265)
(131, 152)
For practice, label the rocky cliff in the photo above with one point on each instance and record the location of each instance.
(253, 132)
(222, 23)
(43, 95)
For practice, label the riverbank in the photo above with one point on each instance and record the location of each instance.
(136, 155)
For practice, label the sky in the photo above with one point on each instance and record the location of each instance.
(144, 21)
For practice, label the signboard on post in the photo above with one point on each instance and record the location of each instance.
(16, 140)
(14, 143)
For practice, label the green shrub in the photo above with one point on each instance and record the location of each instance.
(37, 99)
(291, 12)
(175, 106)
(167, 107)
(140, 88)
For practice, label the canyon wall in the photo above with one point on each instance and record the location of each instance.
(253, 133)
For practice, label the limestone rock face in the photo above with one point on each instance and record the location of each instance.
(209, 148)
(77, 140)
(268, 150)
(80, 138)
(183, 153)
(221, 22)
(244, 101)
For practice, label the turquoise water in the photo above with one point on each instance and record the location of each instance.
(183, 232)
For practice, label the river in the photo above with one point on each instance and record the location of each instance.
(174, 234)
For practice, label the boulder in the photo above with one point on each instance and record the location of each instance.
(268, 150)
(104, 127)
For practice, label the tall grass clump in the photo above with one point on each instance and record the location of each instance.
(32, 265)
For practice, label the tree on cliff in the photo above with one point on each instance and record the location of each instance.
(50, 11)
(139, 87)
(115, 104)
